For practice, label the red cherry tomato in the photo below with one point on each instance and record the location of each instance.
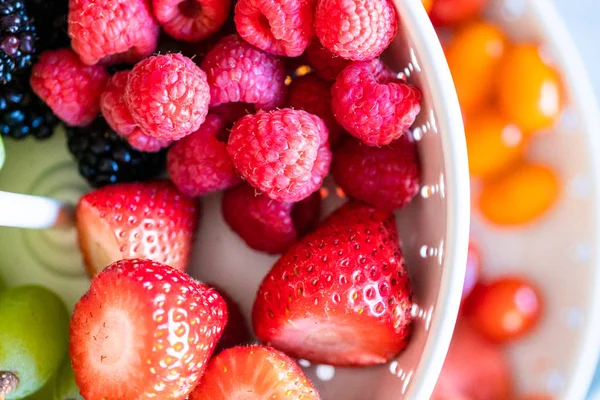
(505, 309)
(453, 12)
(473, 268)
(475, 369)
(536, 397)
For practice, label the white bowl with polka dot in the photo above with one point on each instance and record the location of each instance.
(434, 228)
(559, 252)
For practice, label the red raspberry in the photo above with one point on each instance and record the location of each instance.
(199, 163)
(325, 63)
(282, 27)
(191, 20)
(386, 177)
(230, 113)
(356, 29)
(372, 104)
(283, 153)
(117, 115)
(71, 88)
(239, 72)
(313, 95)
(168, 96)
(266, 224)
(112, 31)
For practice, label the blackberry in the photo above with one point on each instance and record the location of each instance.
(50, 18)
(17, 39)
(104, 157)
(24, 114)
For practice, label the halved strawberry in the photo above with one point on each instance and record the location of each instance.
(149, 220)
(143, 330)
(341, 295)
(253, 372)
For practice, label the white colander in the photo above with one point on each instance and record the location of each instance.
(434, 228)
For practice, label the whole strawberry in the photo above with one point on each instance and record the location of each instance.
(283, 153)
(340, 296)
(386, 177)
(265, 224)
(149, 220)
(143, 330)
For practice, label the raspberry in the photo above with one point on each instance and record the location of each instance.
(231, 112)
(372, 104)
(112, 31)
(283, 153)
(117, 114)
(386, 177)
(168, 96)
(282, 27)
(325, 63)
(265, 224)
(313, 95)
(70, 88)
(356, 29)
(191, 20)
(239, 72)
(199, 163)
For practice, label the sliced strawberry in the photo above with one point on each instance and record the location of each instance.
(149, 220)
(341, 295)
(253, 372)
(236, 331)
(143, 330)
(475, 369)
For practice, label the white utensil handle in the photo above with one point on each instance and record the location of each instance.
(34, 212)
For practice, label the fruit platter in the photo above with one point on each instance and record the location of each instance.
(221, 200)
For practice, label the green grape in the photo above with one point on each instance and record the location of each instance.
(33, 339)
(65, 387)
(45, 393)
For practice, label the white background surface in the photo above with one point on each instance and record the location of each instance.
(583, 19)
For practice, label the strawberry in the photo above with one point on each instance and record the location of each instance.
(149, 220)
(143, 330)
(474, 369)
(236, 331)
(340, 296)
(253, 372)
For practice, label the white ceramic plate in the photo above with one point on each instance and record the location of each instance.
(559, 252)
